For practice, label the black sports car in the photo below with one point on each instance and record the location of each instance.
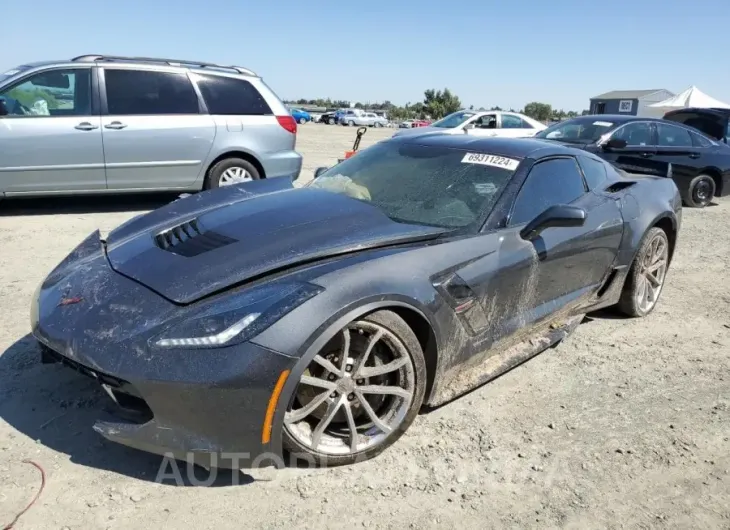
(700, 165)
(267, 319)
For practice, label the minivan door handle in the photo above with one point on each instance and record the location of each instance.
(86, 126)
(694, 155)
(115, 125)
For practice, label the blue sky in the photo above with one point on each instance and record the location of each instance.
(489, 52)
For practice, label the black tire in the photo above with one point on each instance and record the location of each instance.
(212, 179)
(628, 303)
(403, 332)
(700, 191)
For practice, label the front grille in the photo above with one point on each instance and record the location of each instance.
(129, 405)
(191, 239)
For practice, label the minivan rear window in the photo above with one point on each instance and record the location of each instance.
(229, 96)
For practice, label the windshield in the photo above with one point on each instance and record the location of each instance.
(578, 131)
(418, 184)
(453, 120)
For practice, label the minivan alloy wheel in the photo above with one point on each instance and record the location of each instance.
(234, 175)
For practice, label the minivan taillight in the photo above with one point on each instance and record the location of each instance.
(288, 122)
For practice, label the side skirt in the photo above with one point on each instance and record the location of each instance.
(469, 376)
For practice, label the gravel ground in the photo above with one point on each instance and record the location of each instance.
(625, 424)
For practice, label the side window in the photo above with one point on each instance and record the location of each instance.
(700, 141)
(488, 121)
(593, 170)
(51, 93)
(549, 183)
(636, 133)
(514, 122)
(130, 92)
(232, 97)
(671, 136)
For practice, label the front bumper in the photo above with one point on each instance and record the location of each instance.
(202, 406)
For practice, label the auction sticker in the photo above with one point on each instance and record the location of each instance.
(490, 160)
(603, 123)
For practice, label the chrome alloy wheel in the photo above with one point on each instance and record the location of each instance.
(355, 392)
(652, 273)
(234, 175)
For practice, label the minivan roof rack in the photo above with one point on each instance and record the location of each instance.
(170, 62)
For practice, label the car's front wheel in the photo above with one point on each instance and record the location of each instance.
(645, 280)
(331, 121)
(302, 121)
(700, 192)
(359, 394)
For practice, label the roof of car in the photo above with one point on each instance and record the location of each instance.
(509, 147)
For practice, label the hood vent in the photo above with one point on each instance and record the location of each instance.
(190, 239)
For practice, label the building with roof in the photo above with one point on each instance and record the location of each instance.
(629, 102)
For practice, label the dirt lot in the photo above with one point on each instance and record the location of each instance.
(626, 424)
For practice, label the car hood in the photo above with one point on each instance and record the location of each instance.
(206, 243)
(425, 130)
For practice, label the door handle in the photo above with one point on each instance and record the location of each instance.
(647, 155)
(115, 125)
(694, 155)
(86, 126)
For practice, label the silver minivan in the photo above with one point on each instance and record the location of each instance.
(103, 124)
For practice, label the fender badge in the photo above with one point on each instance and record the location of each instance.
(69, 301)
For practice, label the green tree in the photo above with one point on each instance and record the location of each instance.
(538, 111)
(438, 103)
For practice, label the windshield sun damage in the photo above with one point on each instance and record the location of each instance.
(417, 184)
(453, 120)
(579, 131)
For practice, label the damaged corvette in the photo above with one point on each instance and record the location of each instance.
(269, 319)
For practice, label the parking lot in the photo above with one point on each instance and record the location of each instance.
(625, 424)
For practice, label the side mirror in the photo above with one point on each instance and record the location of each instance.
(556, 216)
(615, 143)
(3, 107)
(319, 171)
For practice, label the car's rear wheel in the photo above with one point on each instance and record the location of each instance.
(359, 394)
(302, 121)
(230, 171)
(645, 280)
(351, 123)
(331, 121)
(700, 192)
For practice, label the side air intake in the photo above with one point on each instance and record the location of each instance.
(190, 239)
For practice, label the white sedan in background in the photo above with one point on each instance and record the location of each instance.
(482, 123)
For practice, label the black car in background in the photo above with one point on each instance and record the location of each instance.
(329, 118)
(699, 165)
(715, 123)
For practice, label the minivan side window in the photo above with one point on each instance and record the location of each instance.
(549, 183)
(229, 96)
(50, 93)
(145, 92)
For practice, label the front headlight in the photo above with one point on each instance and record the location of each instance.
(238, 318)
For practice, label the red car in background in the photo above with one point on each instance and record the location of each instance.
(420, 123)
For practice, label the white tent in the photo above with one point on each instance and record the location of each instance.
(692, 97)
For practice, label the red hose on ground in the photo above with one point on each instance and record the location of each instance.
(37, 495)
